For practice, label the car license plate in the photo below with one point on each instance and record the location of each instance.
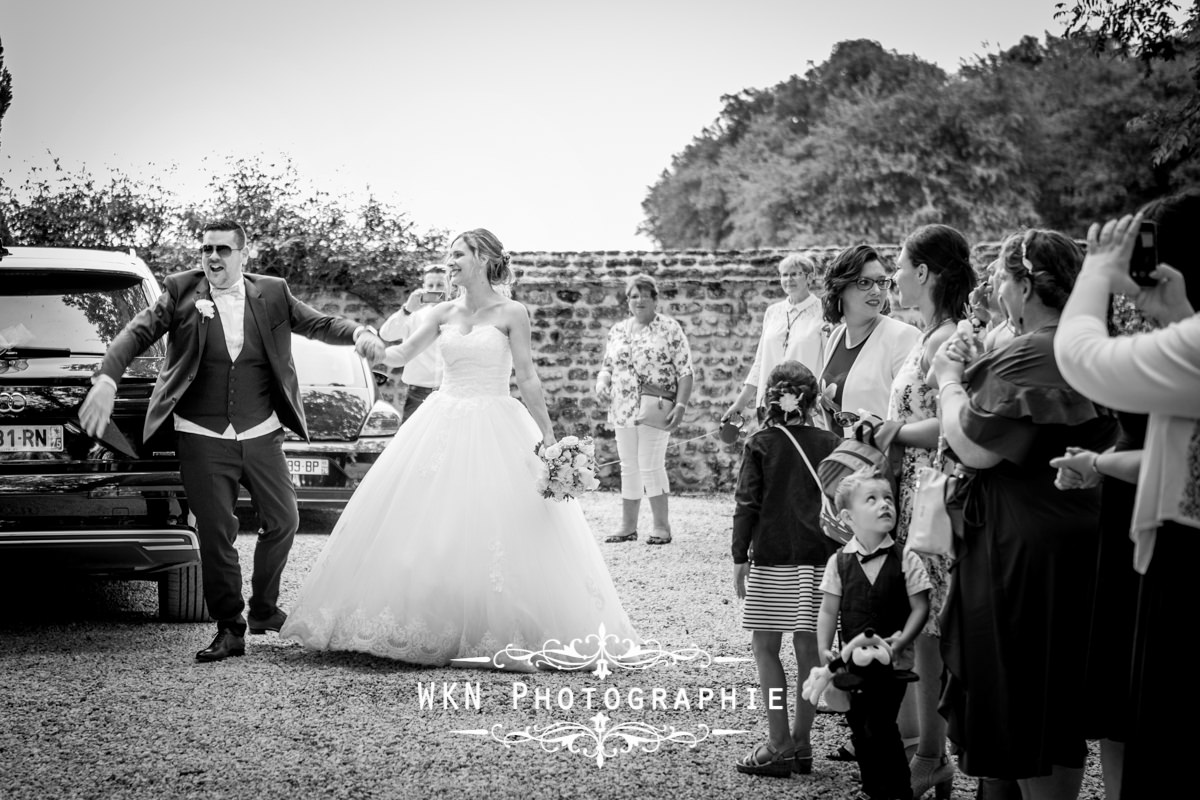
(308, 466)
(31, 438)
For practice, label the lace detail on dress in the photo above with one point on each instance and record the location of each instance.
(380, 634)
(477, 364)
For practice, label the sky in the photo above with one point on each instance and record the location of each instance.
(544, 121)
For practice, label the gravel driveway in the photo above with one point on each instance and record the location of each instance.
(100, 699)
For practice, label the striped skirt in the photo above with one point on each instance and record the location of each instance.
(785, 598)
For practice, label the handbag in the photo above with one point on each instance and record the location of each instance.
(937, 506)
(654, 404)
(831, 525)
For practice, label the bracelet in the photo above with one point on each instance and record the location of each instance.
(947, 385)
(1096, 469)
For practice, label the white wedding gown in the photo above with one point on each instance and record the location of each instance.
(446, 550)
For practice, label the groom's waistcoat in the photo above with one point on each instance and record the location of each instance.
(225, 391)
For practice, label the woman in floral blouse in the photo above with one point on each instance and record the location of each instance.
(647, 353)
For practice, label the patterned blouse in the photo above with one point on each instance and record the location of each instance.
(658, 354)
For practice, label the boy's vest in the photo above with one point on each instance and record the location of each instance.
(882, 606)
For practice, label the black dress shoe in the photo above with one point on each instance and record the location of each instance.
(225, 644)
(271, 623)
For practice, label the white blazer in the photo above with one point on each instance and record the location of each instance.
(869, 383)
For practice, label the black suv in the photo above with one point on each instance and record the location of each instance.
(113, 507)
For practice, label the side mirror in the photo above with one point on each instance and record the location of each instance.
(381, 378)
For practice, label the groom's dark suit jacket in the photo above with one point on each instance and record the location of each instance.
(269, 305)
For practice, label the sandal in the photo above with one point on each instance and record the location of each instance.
(628, 537)
(778, 765)
(658, 540)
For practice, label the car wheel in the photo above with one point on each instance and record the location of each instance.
(181, 595)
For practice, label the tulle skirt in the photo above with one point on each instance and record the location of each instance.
(446, 550)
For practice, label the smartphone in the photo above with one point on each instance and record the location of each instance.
(433, 297)
(1145, 255)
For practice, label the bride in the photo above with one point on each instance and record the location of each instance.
(446, 550)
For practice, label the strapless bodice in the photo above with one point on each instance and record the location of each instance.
(475, 364)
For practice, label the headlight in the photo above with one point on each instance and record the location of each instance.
(384, 420)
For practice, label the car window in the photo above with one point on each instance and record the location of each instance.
(77, 311)
(320, 364)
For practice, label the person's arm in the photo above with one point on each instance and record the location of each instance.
(747, 498)
(398, 355)
(754, 376)
(682, 394)
(1155, 372)
(827, 624)
(517, 318)
(953, 402)
(682, 358)
(918, 605)
(604, 376)
(142, 331)
(1087, 468)
(745, 397)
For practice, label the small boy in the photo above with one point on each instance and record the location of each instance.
(873, 584)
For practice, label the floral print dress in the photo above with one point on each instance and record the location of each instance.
(658, 354)
(913, 400)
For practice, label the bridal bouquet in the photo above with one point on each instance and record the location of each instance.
(568, 468)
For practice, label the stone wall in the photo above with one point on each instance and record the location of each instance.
(575, 298)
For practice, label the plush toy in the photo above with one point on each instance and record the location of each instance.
(819, 682)
(867, 657)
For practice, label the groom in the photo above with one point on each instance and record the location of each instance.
(229, 387)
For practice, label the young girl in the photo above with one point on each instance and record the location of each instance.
(779, 555)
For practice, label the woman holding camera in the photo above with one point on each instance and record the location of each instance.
(647, 378)
(1135, 623)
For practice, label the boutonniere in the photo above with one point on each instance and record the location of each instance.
(206, 308)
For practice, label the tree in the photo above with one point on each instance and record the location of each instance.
(301, 233)
(1147, 30)
(6, 94)
(5, 102)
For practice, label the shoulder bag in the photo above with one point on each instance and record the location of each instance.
(831, 525)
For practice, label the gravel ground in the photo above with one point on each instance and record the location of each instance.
(100, 699)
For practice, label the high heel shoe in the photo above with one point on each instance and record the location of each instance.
(935, 773)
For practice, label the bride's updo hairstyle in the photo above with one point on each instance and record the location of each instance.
(791, 391)
(484, 245)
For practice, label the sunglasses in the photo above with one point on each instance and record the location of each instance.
(864, 284)
(223, 250)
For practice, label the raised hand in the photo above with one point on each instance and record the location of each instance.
(97, 408)
(1109, 248)
(1166, 300)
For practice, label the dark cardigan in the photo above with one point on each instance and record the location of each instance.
(777, 518)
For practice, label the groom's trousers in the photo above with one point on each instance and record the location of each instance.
(212, 470)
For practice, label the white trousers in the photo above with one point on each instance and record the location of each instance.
(643, 453)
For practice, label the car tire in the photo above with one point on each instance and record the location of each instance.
(181, 595)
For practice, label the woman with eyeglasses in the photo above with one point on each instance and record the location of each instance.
(934, 275)
(1015, 622)
(867, 348)
(791, 331)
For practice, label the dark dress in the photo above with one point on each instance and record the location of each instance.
(1109, 664)
(1015, 624)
